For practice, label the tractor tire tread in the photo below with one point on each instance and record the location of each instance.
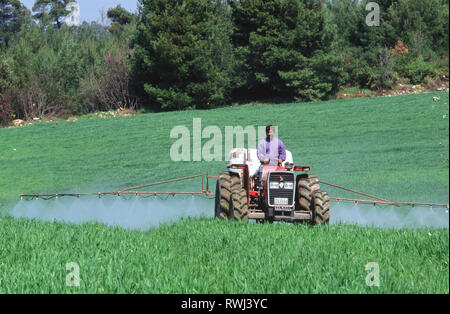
(223, 196)
(239, 202)
(306, 186)
(321, 213)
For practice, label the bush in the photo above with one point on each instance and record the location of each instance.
(44, 68)
(386, 77)
(360, 67)
(440, 66)
(35, 103)
(109, 88)
(5, 73)
(363, 74)
(373, 69)
(318, 78)
(414, 68)
(6, 110)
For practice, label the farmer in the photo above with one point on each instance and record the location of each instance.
(271, 150)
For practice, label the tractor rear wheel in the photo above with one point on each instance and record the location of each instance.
(224, 189)
(240, 203)
(321, 212)
(306, 186)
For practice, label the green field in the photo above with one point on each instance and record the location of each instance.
(210, 256)
(394, 147)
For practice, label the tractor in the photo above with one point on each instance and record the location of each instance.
(249, 190)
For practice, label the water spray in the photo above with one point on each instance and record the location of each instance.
(148, 204)
(206, 192)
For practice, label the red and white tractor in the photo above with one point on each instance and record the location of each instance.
(249, 190)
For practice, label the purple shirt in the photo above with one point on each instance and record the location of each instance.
(272, 150)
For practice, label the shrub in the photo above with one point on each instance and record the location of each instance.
(413, 68)
(373, 69)
(34, 102)
(360, 68)
(386, 76)
(109, 88)
(6, 110)
(440, 66)
(400, 49)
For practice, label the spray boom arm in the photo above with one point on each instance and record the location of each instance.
(207, 192)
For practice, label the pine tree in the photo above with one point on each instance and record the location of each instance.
(119, 17)
(54, 10)
(182, 53)
(285, 49)
(12, 15)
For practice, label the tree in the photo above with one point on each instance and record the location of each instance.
(346, 14)
(119, 15)
(182, 53)
(12, 15)
(422, 25)
(285, 49)
(54, 10)
(120, 18)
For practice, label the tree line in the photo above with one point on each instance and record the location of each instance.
(199, 54)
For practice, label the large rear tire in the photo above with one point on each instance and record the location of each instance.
(224, 189)
(240, 203)
(306, 186)
(321, 212)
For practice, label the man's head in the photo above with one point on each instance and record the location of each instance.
(269, 131)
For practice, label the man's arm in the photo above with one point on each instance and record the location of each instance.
(261, 151)
(281, 150)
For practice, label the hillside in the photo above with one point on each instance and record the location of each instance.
(394, 147)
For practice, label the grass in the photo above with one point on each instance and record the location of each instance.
(396, 147)
(393, 147)
(198, 256)
(356, 89)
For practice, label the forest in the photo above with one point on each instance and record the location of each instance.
(201, 54)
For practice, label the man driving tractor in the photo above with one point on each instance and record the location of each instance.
(263, 184)
(271, 150)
